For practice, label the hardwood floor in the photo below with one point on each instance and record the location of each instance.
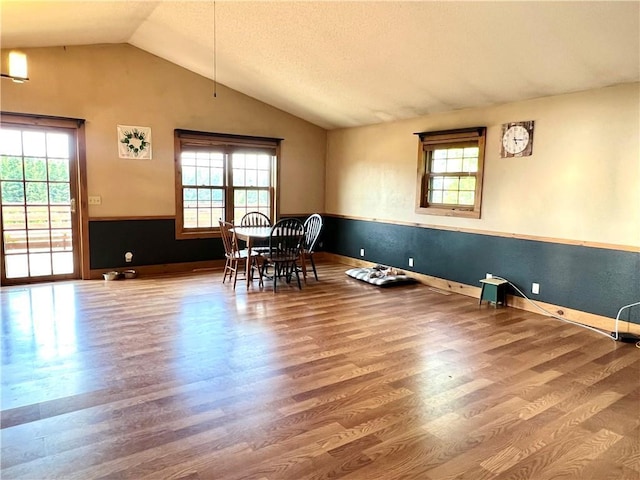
(183, 377)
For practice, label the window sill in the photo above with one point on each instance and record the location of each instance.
(198, 234)
(448, 212)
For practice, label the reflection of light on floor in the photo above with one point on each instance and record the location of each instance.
(241, 303)
(43, 316)
(226, 345)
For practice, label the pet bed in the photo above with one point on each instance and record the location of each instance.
(380, 276)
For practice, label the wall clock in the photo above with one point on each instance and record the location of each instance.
(517, 139)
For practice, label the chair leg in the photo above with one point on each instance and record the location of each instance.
(275, 276)
(261, 272)
(288, 272)
(229, 270)
(303, 265)
(313, 265)
(226, 270)
(235, 275)
(294, 268)
(256, 264)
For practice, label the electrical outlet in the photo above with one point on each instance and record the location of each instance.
(362, 252)
(95, 200)
(488, 275)
(128, 257)
(411, 261)
(535, 288)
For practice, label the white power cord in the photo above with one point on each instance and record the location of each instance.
(618, 319)
(551, 314)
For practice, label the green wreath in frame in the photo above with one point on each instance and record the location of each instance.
(136, 141)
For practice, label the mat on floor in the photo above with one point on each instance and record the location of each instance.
(380, 276)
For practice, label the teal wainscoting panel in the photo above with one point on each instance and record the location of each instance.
(594, 280)
(152, 242)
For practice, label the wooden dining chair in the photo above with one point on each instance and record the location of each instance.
(285, 244)
(257, 219)
(312, 228)
(235, 259)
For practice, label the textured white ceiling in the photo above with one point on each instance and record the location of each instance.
(341, 64)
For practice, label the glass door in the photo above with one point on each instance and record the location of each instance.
(38, 172)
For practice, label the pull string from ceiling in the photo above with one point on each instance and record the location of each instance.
(215, 69)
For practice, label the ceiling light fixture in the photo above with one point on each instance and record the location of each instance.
(17, 67)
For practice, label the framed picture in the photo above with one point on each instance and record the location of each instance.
(134, 142)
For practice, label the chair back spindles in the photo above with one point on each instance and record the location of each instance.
(255, 219)
(285, 244)
(312, 229)
(227, 239)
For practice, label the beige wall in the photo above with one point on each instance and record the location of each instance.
(119, 84)
(582, 182)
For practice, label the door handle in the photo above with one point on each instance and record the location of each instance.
(73, 205)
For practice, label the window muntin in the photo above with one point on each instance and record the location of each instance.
(450, 172)
(452, 176)
(252, 183)
(203, 174)
(222, 177)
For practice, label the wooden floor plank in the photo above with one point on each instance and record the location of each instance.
(180, 376)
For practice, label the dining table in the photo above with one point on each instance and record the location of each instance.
(250, 235)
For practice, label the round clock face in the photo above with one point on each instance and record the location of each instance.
(515, 139)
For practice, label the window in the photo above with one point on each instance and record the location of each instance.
(222, 176)
(450, 167)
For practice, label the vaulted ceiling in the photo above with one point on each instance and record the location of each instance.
(341, 64)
